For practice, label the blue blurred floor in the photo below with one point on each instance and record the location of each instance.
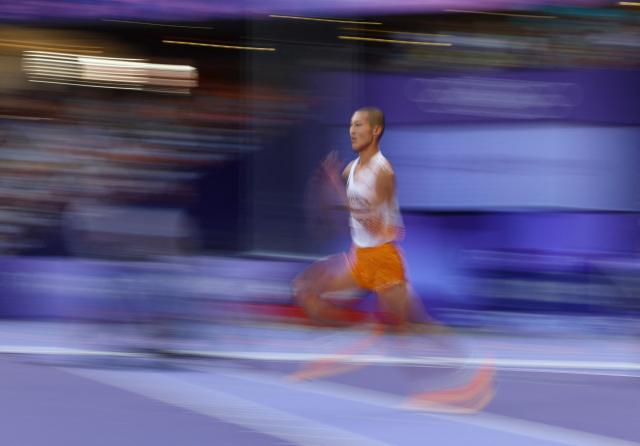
(78, 384)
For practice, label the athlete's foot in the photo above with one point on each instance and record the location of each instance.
(474, 405)
(340, 362)
(470, 397)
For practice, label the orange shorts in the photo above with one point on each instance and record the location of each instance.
(378, 267)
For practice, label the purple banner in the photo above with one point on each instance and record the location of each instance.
(587, 96)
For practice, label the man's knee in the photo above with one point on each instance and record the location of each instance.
(394, 304)
(306, 291)
(310, 281)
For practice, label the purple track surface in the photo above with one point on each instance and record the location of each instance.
(55, 399)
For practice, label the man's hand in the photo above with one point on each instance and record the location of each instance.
(330, 167)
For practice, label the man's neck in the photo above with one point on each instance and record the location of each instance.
(366, 154)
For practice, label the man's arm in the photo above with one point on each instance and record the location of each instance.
(337, 181)
(385, 187)
(385, 191)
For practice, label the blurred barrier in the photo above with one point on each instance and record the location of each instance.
(554, 282)
(114, 290)
(511, 284)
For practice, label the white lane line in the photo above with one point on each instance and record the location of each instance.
(443, 361)
(62, 351)
(485, 420)
(612, 373)
(229, 408)
(529, 365)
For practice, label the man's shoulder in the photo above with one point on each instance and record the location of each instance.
(347, 168)
(384, 164)
(350, 164)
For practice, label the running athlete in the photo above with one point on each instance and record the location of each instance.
(367, 187)
(374, 263)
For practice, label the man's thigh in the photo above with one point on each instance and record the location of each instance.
(331, 274)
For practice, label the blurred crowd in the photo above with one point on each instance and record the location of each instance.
(62, 146)
(571, 39)
(61, 152)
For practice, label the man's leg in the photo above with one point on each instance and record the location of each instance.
(400, 304)
(395, 304)
(329, 275)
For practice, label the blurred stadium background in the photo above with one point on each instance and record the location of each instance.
(157, 160)
(138, 132)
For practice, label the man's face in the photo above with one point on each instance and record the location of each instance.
(362, 133)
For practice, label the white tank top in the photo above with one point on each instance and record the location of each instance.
(360, 193)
